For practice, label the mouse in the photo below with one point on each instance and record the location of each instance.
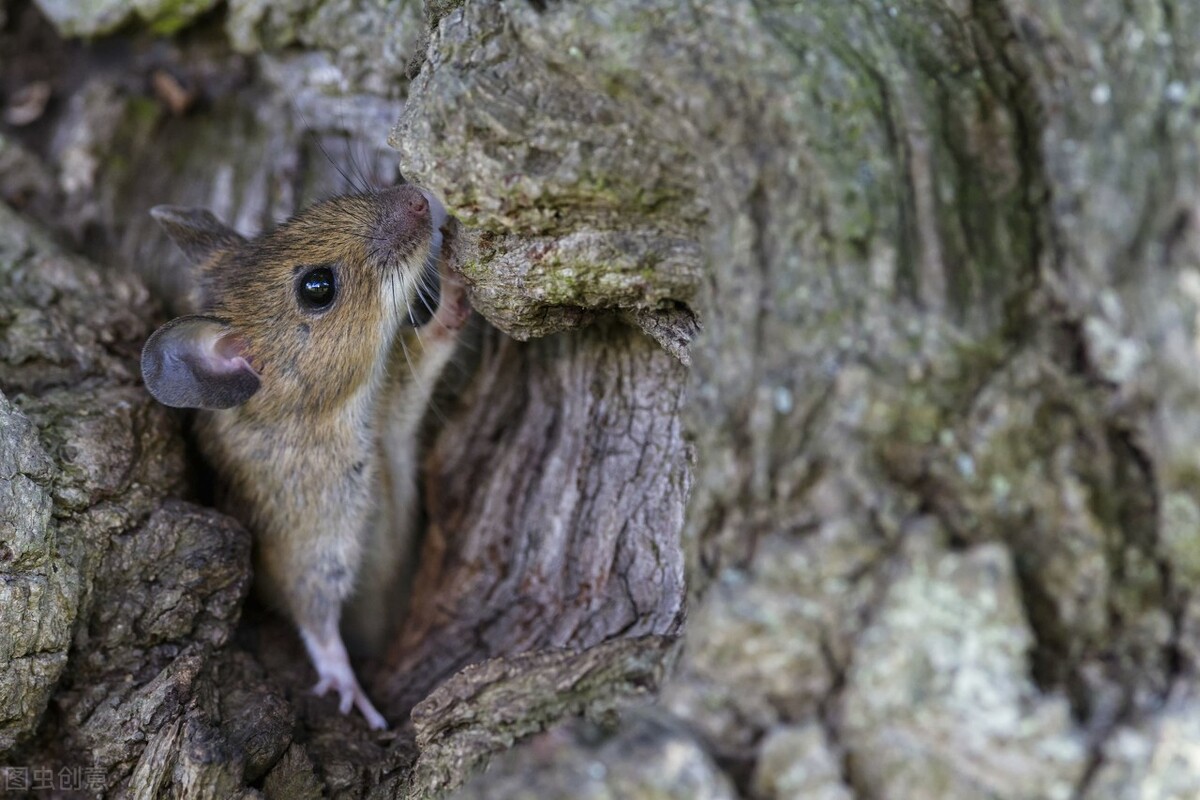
(310, 352)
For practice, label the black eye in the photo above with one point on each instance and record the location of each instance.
(316, 288)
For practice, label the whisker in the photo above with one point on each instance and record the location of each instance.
(412, 318)
(366, 182)
(424, 290)
(417, 379)
(317, 141)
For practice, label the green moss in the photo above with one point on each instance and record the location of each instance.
(574, 282)
(167, 17)
(1181, 538)
(143, 111)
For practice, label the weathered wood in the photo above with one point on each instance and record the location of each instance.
(556, 495)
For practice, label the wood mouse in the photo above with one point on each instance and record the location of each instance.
(312, 351)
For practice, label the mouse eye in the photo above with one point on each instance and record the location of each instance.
(316, 288)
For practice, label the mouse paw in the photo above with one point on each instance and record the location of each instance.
(455, 306)
(329, 656)
(350, 694)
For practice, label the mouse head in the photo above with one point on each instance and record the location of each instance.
(300, 319)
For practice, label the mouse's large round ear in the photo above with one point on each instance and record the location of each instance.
(198, 362)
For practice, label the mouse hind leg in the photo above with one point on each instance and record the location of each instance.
(318, 619)
(313, 576)
(332, 662)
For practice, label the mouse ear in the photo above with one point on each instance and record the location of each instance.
(198, 362)
(197, 231)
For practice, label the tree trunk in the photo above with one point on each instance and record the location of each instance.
(878, 324)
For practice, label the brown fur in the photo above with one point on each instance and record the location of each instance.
(415, 363)
(298, 459)
(301, 462)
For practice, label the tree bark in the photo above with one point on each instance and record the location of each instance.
(868, 331)
(555, 502)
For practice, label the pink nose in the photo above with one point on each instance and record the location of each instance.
(406, 214)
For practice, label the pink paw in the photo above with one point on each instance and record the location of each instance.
(350, 694)
(455, 307)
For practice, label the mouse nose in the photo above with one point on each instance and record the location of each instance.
(405, 214)
(417, 204)
(406, 199)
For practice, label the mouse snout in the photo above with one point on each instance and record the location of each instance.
(417, 204)
(409, 224)
(405, 215)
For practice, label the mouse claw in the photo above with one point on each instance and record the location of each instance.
(455, 308)
(334, 672)
(374, 719)
(350, 695)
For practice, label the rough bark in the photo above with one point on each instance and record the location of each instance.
(555, 503)
(931, 475)
(116, 597)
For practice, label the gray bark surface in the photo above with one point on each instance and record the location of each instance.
(560, 531)
(868, 332)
